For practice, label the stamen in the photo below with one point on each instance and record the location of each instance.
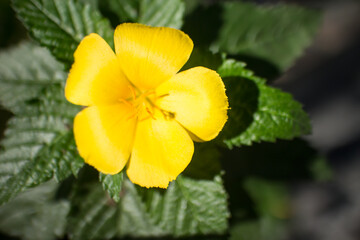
(133, 92)
(161, 96)
(142, 101)
(132, 115)
(151, 114)
(145, 118)
(126, 102)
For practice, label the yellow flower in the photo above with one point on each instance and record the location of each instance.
(141, 112)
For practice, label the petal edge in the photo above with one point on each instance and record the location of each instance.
(162, 150)
(151, 55)
(95, 77)
(197, 96)
(104, 136)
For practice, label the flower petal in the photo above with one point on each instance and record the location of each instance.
(104, 136)
(96, 76)
(197, 96)
(151, 55)
(162, 150)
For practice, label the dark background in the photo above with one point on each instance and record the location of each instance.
(326, 80)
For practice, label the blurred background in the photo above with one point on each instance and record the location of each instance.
(326, 80)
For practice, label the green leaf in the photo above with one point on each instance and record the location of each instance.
(232, 68)
(277, 116)
(93, 3)
(125, 10)
(265, 228)
(34, 215)
(93, 215)
(36, 162)
(270, 197)
(38, 143)
(139, 217)
(112, 184)
(166, 13)
(60, 25)
(191, 5)
(205, 163)
(203, 57)
(321, 170)
(259, 112)
(278, 34)
(187, 207)
(24, 72)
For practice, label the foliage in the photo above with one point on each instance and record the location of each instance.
(148, 212)
(277, 34)
(113, 184)
(60, 25)
(155, 13)
(46, 192)
(30, 211)
(38, 144)
(200, 204)
(259, 112)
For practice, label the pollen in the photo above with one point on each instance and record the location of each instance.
(145, 104)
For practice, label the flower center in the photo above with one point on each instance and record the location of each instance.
(144, 104)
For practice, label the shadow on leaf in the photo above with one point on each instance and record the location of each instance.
(243, 95)
(205, 163)
(261, 66)
(203, 24)
(283, 160)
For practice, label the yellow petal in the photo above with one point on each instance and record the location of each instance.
(197, 96)
(162, 150)
(151, 55)
(104, 136)
(96, 76)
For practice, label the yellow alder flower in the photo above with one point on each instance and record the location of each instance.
(140, 111)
